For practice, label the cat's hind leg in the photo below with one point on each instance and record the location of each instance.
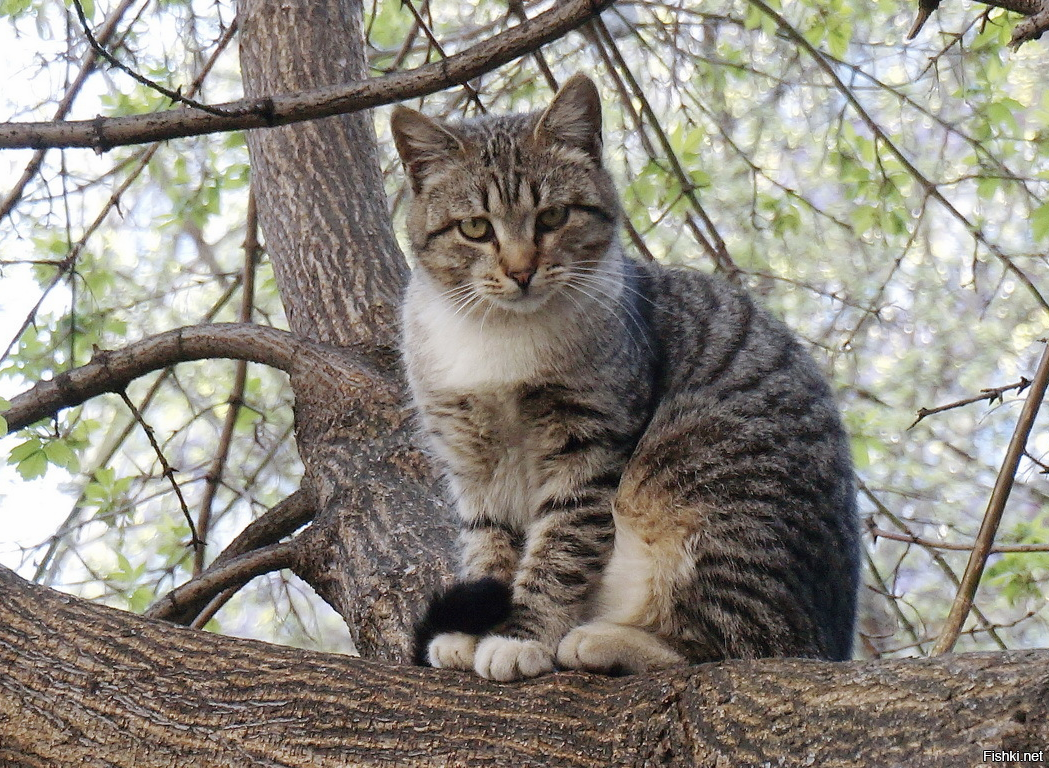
(615, 649)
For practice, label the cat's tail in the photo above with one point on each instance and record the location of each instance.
(472, 607)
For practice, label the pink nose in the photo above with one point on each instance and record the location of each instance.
(522, 277)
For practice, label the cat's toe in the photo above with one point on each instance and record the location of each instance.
(452, 650)
(506, 658)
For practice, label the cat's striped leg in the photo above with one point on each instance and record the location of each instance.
(447, 635)
(634, 602)
(564, 554)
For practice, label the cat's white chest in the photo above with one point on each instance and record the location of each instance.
(466, 352)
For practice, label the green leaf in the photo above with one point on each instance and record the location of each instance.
(61, 455)
(23, 451)
(4, 405)
(14, 8)
(33, 466)
(1040, 222)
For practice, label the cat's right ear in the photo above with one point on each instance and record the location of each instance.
(421, 141)
(574, 117)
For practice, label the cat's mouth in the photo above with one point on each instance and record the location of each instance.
(522, 299)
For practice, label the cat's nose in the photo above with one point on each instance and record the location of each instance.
(522, 277)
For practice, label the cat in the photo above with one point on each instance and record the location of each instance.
(648, 469)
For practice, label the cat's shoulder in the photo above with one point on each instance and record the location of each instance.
(684, 290)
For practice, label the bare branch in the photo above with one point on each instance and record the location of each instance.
(280, 521)
(175, 96)
(232, 573)
(105, 133)
(110, 371)
(1002, 486)
(881, 533)
(252, 249)
(991, 394)
(937, 558)
(167, 470)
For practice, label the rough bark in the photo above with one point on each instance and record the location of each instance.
(85, 685)
(379, 542)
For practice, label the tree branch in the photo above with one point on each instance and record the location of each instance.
(235, 572)
(281, 520)
(86, 684)
(995, 507)
(1030, 28)
(105, 133)
(990, 394)
(111, 371)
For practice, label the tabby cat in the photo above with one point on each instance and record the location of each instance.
(648, 469)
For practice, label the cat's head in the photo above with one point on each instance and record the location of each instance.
(511, 210)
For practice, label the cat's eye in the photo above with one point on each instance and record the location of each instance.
(476, 228)
(552, 218)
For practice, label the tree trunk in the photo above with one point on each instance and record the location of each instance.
(85, 685)
(379, 544)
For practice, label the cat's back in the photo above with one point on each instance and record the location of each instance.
(747, 443)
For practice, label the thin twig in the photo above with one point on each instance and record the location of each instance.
(881, 533)
(936, 557)
(168, 472)
(991, 395)
(470, 91)
(995, 507)
(279, 521)
(710, 240)
(175, 96)
(236, 397)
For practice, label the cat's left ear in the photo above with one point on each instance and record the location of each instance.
(574, 117)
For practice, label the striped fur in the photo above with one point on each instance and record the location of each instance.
(650, 461)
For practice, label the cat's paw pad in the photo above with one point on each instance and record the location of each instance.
(614, 649)
(507, 658)
(452, 650)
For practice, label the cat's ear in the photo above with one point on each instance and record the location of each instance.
(574, 117)
(421, 141)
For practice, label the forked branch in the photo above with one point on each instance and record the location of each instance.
(235, 572)
(280, 521)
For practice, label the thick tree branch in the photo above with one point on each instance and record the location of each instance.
(83, 684)
(111, 371)
(1029, 29)
(105, 133)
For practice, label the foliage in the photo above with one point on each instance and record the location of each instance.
(722, 124)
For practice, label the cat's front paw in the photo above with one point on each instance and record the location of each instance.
(615, 649)
(452, 650)
(507, 658)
